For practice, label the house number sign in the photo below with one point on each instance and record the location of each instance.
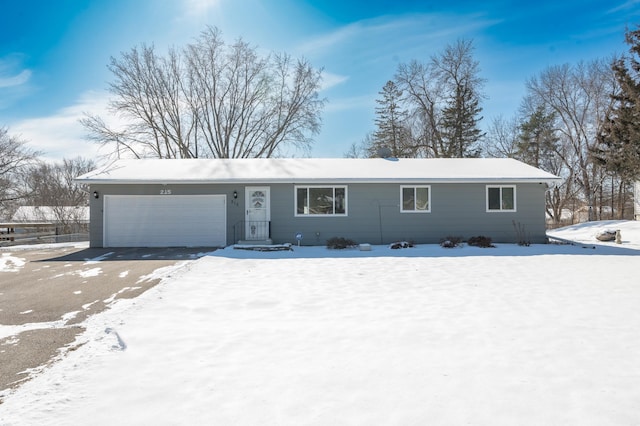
(165, 192)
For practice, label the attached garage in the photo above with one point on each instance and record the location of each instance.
(164, 220)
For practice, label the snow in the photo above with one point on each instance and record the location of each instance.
(325, 170)
(586, 233)
(546, 334)
(9, 263)
(51, 213)
(93, 272)
(13, 330)
(74, 244)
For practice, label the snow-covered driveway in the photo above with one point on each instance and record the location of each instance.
(46, 292)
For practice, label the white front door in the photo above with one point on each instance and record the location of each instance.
(258, 213)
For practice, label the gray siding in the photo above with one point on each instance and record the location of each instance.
(373, 213)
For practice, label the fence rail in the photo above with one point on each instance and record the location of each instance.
(14, 233)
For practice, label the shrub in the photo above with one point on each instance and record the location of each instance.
(401, 244)
(340, 243)
(451, 242)
(480, 241)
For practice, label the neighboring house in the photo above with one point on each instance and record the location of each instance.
(65, 219)
(219, 202)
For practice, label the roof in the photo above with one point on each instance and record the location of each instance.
(320, 170)
(51, 214)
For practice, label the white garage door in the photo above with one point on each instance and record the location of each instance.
(165, 221)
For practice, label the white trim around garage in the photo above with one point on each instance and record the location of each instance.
(164, 221)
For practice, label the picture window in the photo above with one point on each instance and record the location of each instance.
(321, 200)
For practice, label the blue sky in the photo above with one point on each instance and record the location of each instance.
(53, 54)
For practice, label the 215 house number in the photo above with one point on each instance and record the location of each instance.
(165, 192)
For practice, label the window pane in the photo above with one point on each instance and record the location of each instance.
(303, 202)
(340, 201)
(320, 200)
(407, 199)
(422, 198)
(494, 198)
(507, 199)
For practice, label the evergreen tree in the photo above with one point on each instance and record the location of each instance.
(391, 132)
(538, 143)
(460, 120)
(619, 139)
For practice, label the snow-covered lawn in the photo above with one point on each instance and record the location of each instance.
(540, 335)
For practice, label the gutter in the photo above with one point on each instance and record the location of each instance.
(311, 180)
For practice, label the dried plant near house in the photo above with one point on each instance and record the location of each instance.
(340, 243)
(522, 237)
(480, 241)
(451, 242)
(401, 244)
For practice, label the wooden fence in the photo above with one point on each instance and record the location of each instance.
(25, 232)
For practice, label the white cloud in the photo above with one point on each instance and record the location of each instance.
(16, 80)
(624, 6)
(329, 40)
(351, 103)
(394, 31)
(330, 80)
(61, 135)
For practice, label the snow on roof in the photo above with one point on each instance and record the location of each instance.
(50, 213)
(321, 170)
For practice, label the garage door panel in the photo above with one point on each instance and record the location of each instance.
(164, 221)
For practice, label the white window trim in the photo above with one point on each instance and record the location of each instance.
(501, 210)
(295, 200)
(402, 210)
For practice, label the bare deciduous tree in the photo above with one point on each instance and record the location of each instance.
(502, 137)
(210, 99)
(580, 97)
(52, 184)
(445, 96)
(15, 159)
(360, 149)
(52, 189)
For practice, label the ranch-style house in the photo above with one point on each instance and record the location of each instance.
(221, 202)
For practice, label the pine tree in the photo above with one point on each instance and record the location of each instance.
(460, 123)
(390, 119)
(537, 142)
(619, 139)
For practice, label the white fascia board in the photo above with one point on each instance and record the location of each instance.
(314, 181)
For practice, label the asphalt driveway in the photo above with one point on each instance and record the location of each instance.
(47, 292)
